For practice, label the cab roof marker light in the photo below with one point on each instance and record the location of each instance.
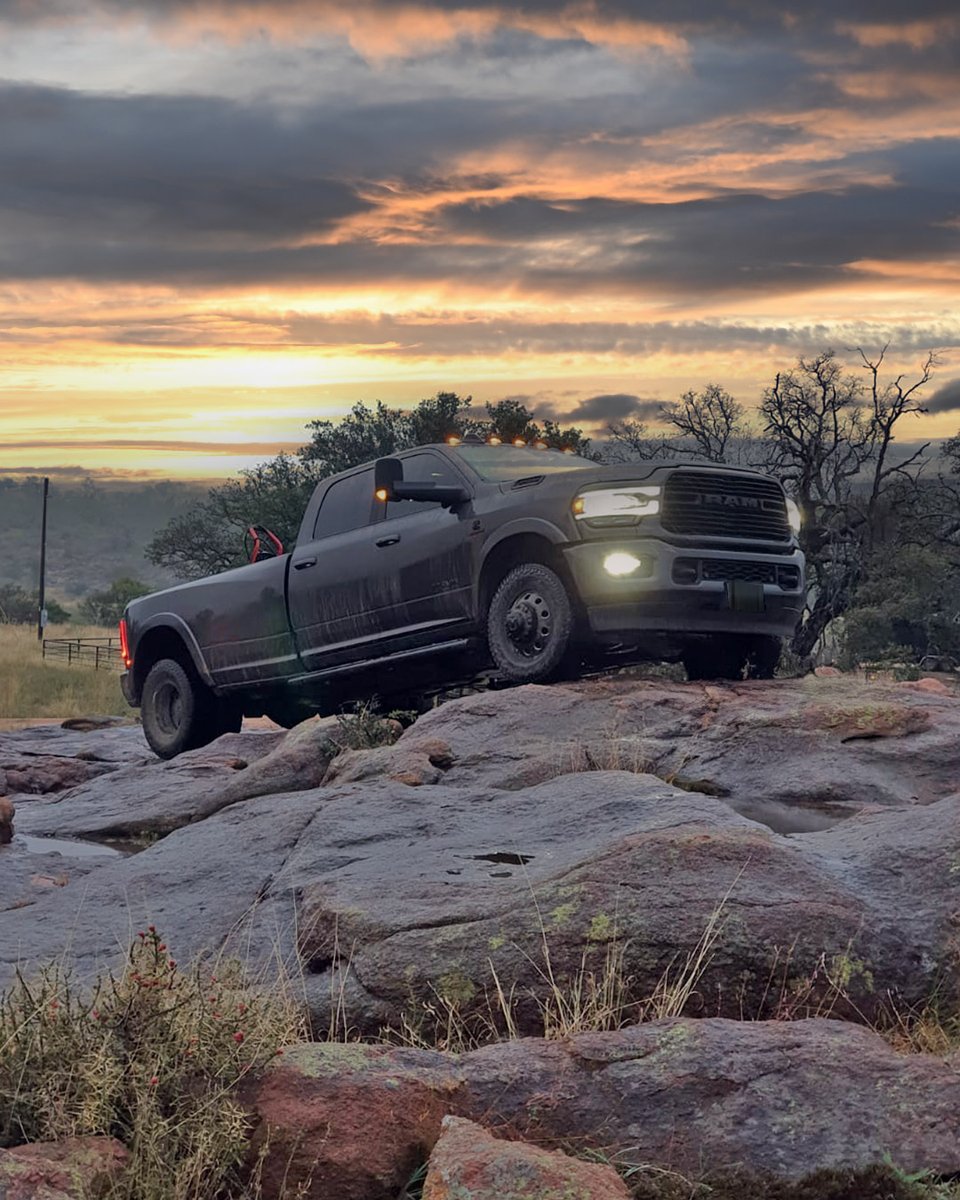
(493, 440)
(539, 445)
(519, 442)
(453, 440)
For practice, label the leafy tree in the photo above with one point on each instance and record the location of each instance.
(363, 434)
(106, 607)
(909, 608)
(441, 416)
(19, 607)
(209, 537)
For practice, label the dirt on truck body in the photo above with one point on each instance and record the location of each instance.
(423, 568)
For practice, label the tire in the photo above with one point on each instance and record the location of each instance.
(529, 624)
(178, 711)
(764, 657)
(722, 656)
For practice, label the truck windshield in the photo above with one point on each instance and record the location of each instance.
(501, 463)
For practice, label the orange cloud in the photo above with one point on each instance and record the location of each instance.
(918, 35)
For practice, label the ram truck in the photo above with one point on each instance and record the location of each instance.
(423, 569)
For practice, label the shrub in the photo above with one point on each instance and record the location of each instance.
(152, 1056)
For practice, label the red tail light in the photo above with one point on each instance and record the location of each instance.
(125, 645)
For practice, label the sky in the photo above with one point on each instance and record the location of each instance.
(220, 219)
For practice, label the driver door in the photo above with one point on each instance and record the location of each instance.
(334, 591)
(424, 558)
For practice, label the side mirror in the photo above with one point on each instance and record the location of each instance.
(387, 473)
(389, 485)
(260, 543)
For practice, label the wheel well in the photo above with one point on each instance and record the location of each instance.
(520, 548)
(157, 643)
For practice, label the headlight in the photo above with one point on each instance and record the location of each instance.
(618, 505)
(793, 516)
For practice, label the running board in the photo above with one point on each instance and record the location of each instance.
(385, 660)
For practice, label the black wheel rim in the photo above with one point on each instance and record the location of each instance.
(168, 708)
(529, 624)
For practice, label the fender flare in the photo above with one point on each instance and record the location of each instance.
(535, 525)
(177, 625)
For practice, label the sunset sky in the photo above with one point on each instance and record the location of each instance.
(220, 220)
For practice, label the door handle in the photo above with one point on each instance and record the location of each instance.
(302, 564)
(389, 541)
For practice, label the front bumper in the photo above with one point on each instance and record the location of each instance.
(652, 601)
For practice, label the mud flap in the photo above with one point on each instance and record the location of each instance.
(744, 596)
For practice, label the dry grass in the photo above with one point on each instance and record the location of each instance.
(593, 999)
(926, 1030)
(32, 687)
(153, 1056)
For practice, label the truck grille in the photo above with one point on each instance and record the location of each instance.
(720, 570)
(713, 505)
(753, 572)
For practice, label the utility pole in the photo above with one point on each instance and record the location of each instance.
(41, 607)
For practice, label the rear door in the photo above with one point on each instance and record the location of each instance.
(425, 558)
(334, 590)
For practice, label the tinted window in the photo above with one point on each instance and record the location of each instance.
(346, 505)
(501, 463)
(423, 468)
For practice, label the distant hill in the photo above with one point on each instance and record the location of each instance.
(96, 532)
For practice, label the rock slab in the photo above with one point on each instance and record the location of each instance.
(75, 1169)
(778, 1097)
(467, 1163)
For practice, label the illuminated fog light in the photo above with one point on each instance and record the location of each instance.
(620, 563)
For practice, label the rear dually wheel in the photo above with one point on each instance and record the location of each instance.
(178, 710)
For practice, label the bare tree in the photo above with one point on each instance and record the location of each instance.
(830, 440)
(890, 403)
(631, 440)
(709, 424)
(710, 420)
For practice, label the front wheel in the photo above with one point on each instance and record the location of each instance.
(529, 624)
(178, 711)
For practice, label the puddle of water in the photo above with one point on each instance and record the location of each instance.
(65, 846)
(787, 818)
(504, 856)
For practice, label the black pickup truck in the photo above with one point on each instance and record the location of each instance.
(423, 569)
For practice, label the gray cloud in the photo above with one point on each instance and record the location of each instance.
(394, 336)
(740, 242)
(736, 14)
(613, 406)
(199, 192)
(945, 399)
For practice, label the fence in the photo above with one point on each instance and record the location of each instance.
(103, 654)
